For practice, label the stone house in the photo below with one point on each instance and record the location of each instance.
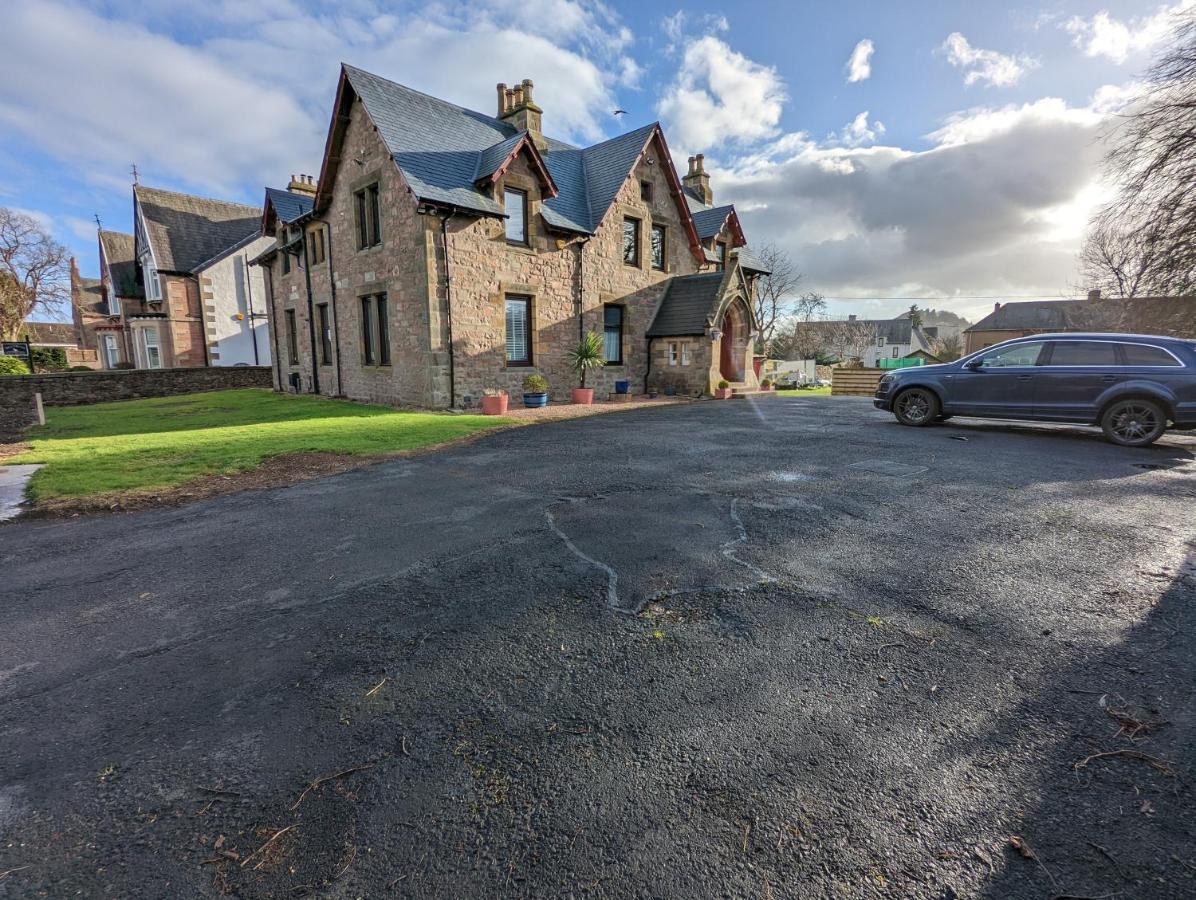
(443, 252)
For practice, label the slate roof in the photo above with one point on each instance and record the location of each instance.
(289, 205)
(687, 303)
(1171, 316)
(186, 231)
(709, 220)
(51, 333)
(87, 295)
(1031, 315)
(751, 262)
(443, 149)
(122, 265)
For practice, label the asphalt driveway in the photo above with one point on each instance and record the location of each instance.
(772, 648)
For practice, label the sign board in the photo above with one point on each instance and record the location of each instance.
(15, 348)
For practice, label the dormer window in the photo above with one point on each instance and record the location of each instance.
(515, 203)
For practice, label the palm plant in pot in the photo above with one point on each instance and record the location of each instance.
(535, 391)
(588, 354)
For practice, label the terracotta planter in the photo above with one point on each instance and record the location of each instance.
(494, 406)
(722, 393)
(583, 396)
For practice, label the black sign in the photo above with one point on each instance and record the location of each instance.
(15, 348)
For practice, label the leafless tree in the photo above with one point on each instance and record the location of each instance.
(1118, 261)
(947, 348)
(1144, 242)
(809, 305)
(775, 292)
(34, 271)
(849, 339)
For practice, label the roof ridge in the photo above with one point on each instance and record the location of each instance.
(432, 97)
(141, 187)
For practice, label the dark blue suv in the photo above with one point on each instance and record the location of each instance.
(1131, 385)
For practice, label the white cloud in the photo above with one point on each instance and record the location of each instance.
(1104, 35)
(988, 66)
(720, 96)
(680, 27)
(859, 132)
(246, 99)
(997, 204)
(859, 67)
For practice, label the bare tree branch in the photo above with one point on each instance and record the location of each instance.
(34, 271)
(775, 292)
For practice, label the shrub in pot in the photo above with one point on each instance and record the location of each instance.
(766, 385)
(535, 391)
(723, 391)
(587, 355)
(494, 403)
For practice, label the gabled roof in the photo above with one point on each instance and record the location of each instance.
(687, 305)
(1031, 314)
(494, 161)
(444, 151)
(710, 220)
(186, 231)
(288, 206)
(117, 248)
(751, 262)
(87, 296)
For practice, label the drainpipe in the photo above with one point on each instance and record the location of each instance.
(311, 317)
(336, 328)
(648, 368)
(448, 306)
(272, 320)
(249, 306)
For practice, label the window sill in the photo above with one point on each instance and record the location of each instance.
(365, 251)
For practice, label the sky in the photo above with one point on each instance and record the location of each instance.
(943, 153)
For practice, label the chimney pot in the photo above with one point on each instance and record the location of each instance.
(997, 306)
(502, 98)
(527, 90)
(700, 161)
(851, 318)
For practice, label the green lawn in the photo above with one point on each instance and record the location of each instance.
(167, 441)
(808, 392)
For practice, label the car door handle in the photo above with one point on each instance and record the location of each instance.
(1024, 377)
(1109, 378)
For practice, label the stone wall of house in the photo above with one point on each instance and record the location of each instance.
(77, 388)
(690, 373)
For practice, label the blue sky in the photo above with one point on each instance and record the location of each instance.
(956, 161)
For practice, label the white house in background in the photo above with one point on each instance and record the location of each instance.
(895, 338)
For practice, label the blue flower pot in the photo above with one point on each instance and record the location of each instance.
(531, 401)
(622, 387)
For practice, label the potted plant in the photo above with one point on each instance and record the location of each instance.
(494, 403)
(766, 385)
(585, 356)
(724, 390)
(535, 391)
(623, 387)
(670, 385)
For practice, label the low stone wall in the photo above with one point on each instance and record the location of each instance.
(78, 388)
(855, 382)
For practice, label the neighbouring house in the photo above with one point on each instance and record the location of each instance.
(57, 336)
(443, 252)
(1173, 316)
(200, 302)
(887, 338)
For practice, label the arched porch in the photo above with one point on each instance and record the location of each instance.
(736, 327)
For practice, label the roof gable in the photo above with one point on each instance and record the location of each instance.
(445, 152)
(117, 251)
(287, 206)
(185, 231)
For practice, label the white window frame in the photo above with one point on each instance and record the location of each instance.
(111, 351)
(674, 352)
(147, 346)
(685, 353)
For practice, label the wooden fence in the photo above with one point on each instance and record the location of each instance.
(855, 382)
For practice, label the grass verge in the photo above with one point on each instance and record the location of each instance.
(166, 442)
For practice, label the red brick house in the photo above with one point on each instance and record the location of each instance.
(444, 252)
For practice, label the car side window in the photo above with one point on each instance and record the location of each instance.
(1083, 353)
(1006, 357)
(1144, 355)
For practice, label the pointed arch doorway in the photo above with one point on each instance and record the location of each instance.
(735, 326)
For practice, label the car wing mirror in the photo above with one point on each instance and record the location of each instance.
(974, 364)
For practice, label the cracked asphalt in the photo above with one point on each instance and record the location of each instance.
(773, 648)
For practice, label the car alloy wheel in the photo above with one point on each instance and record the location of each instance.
(1134, 423)
(916, 406)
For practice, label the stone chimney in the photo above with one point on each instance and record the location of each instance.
(997, 306)
(1094, 295)
(851, 317)
(302, 184)
(698, 181)
(516, 106)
